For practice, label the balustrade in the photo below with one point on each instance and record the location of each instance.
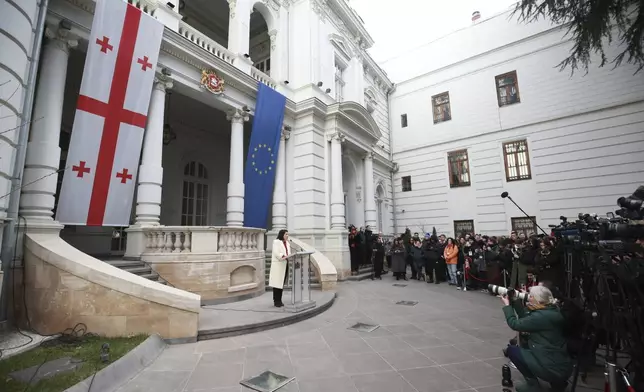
(202, 239)
(200, 39)
(262, 77)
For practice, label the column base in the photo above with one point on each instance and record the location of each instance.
(136, 242)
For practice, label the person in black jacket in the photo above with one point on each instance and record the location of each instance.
(353, 250)
(432, 257)
(549, 266)
(369, 240)
(379, 257)
(418, 259)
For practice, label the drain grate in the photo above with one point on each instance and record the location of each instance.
(407, 303)
(266, 382)
(399, 285)
(362, 327)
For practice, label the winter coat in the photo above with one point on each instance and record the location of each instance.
(277, 273)
(546, 355)
(451, 254)
(398, 262)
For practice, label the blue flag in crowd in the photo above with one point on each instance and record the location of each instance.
(262, 156)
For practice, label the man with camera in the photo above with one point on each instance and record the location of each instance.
(544, 355)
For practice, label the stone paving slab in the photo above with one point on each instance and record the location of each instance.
(450, 341)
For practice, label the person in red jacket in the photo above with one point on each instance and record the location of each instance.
(451, 259)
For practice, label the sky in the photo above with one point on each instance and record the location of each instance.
(399, 26)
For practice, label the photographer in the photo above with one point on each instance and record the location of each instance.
(545, 357)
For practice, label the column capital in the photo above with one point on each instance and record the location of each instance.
(237, 116)
(61, 38)
(368, 156)
(336, 136)
(286, 133)
(163, 82)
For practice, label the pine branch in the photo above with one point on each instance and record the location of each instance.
(590, 22)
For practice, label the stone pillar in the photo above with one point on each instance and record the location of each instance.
(239, 33)
(235, 203)
(369, 195)
(150, 180)
(337, 193)
(279, 192)
(276, 61)
(43, 153)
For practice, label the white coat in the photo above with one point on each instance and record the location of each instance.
(278, 264)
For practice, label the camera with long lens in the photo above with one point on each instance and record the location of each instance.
(512, 294)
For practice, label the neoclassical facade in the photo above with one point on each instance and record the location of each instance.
(334, 166)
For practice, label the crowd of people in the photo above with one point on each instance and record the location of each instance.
(470, 260)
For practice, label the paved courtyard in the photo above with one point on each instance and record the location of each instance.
(450, 341)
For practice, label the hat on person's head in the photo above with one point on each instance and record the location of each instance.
(427, 235)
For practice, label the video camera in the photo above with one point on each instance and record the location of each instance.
(512, 294)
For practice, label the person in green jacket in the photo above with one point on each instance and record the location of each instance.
(546, 355)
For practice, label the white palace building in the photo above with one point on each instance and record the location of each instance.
(487, 112)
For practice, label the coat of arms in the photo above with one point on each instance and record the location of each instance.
(211, 82)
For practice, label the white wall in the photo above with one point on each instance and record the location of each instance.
(585, 135)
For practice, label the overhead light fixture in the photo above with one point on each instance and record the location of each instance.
(328, 91)
(320, 84)
(246, 109)
(286, 82)
(166, 72)
(168, 134)
(246, 55)
(170, 5)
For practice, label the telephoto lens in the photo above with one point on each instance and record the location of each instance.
(511, 293)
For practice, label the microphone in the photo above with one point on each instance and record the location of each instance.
(506, 195)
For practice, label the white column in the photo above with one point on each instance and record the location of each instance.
(239, 32)
(337, 193)
(150, 180)
(276, 61)
(235, 203)
(43, 152)
(369, 196)
(279, 192)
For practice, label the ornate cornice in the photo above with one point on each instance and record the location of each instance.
(286, 133)
(232, 5)
(273, 38)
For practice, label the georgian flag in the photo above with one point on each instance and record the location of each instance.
(99, 181)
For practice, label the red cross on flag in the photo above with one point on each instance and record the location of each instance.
(103, 158)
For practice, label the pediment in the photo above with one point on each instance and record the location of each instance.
(341, 45)
(358, 115)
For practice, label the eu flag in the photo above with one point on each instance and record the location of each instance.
(262, 156)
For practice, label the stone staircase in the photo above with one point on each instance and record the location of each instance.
(136, 267)
(364, 272)
(315, 281)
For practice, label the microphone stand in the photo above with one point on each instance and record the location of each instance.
(527, 216)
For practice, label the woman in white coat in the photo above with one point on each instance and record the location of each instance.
(279, 266)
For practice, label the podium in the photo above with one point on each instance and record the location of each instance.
(299, 265)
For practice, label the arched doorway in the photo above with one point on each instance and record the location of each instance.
(380, 207)
(196, 195)
(261, 43)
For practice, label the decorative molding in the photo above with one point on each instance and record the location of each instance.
(274, 4)
(232, 6)
(286, 132)
(369, 155)
(273, 37)
(358, 194)
(237, 116)
(341, 46)
(211, 82)
(336, 136)
(61, 38)
(320, 8)
(162, 82)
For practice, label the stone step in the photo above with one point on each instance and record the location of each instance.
(125, 263)
(363, 275)
(151, 276)
(138, 270)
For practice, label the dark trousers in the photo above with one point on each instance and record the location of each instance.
(514, 354)
(277, 293)
(377, 264)
(355, 263)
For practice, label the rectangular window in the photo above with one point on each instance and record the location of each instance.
(524, 225)
(462, 227)
(403, 120)
(441, 108)
(507, 89)
(459, 169)
(406, 184)
(517, 160)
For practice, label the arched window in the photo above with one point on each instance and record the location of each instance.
(194, 201)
